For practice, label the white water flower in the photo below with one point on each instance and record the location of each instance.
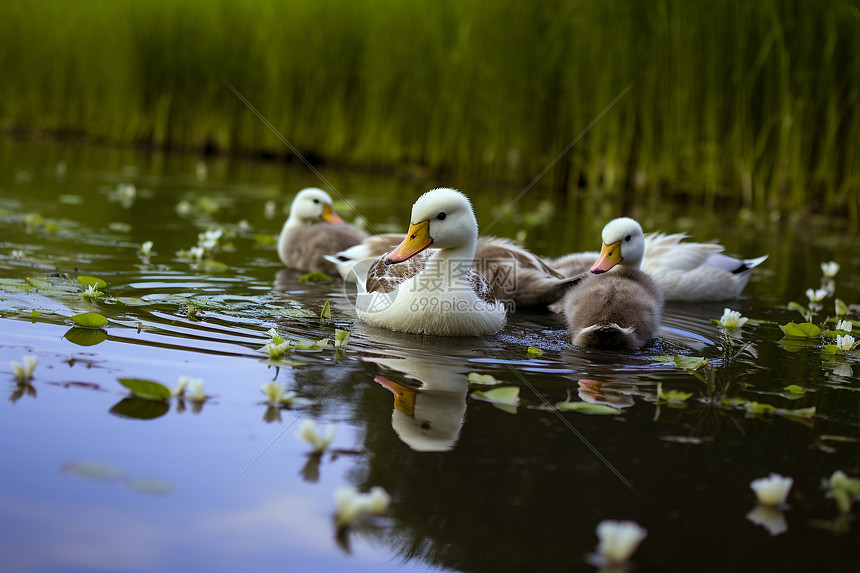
(125, 194)
(17, 254)
(352, 506)
(270, 209)
(182, 385)
(196, 253)
(768, 517)
(276, 394)
(732, 319)
(845, 342)
(816, 295)
(91, 292)
(209, 239)
(829, 269)
(276, 350)
(146, 248)
(196, 393)
(772, 490)
(618, 539)
(24, 370)
(844, 325)
(308, 432)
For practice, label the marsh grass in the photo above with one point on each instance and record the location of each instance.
(754, 102)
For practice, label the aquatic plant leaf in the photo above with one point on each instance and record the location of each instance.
(663, 358)
(149, 486)
(266, 240)
(754, 407)
(672, 395)
(795, 389)
(326, 310)
(798, 307)
(212, 266)
(505, 395)
(689, 362)
(92, 470)
(146, 389)
(587, 408)
(89, 320)
(140, 408)
(85, 336)
(314, 278)
(800, 330)
(534, 351)
(840, 307)
(341, 338)
(95, 282)
(485, 379)
(831, 349)
(298, 313)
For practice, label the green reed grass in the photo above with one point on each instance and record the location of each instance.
(755, 102)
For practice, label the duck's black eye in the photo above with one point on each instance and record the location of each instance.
(316, 201)
(441, 216)
(627, 238)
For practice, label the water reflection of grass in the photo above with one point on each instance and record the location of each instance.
(756, 100)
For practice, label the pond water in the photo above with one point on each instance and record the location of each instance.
(95, 480)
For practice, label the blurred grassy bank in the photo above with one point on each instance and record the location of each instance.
(756, 102)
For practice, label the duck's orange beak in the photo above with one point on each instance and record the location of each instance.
(404, 397)
(610, 255)
(329, 216)
(417, 239)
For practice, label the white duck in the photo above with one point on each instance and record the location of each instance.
(621, 308)
(519, 278)
(435, 292)
(684, 271)
(312, 230)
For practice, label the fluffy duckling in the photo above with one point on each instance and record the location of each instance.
(427, 285)
(621, 308)
(312, 230)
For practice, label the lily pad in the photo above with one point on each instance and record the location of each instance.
(89, 320)
(587, 408)
(298, 312)
(505, 395)
(689, 362)
(840, 307)
(795, 389)
(85, 336)
(484, 379)
(534, 351)
(800, 330)
(140, 408)
(95, 282)
(146, 389)
(672, 395)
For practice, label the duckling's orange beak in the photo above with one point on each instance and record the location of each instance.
(417, 239)
(610, 255)
(329, 216)
(404, 397)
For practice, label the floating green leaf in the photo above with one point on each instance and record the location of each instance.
(534, 351)
(689, 362)
(95, 282)
(841, 307)
(309, 344)
(663, 358)
(267, 240)
(313, 278)
(509, 395)
(832, 349)
(484, 379)
(140, 408)
(758, 407)
(298, 312)
(146, 389)
(795, 389)
(89, 320)
(801, 330)
(326, 310)
(672, 395)
(212, 266)
(587, 408)
(798, 307)
(341, 338)
(85, 336)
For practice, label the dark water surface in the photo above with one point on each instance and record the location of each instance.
(92, 480)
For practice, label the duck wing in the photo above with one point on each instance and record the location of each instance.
(385, 278)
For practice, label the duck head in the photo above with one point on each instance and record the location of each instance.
(623, 244)
(311, 205)
(441, 219)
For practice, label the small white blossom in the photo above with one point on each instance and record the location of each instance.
(196, 393)
(125, 194)
(618, 540)
(17, 254)
(270, 209)
(845, 342)
(732, 319)
(146, 248)
(352, 506)
(308, 432)
(844, 325)
(277, 350)
(816, 295)
(184, 208)
(209, 239)
(91, 292)
(182, 385)
(829, 269)
(24, 370)
(772, 490)
(196, 253)
(276, 394)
